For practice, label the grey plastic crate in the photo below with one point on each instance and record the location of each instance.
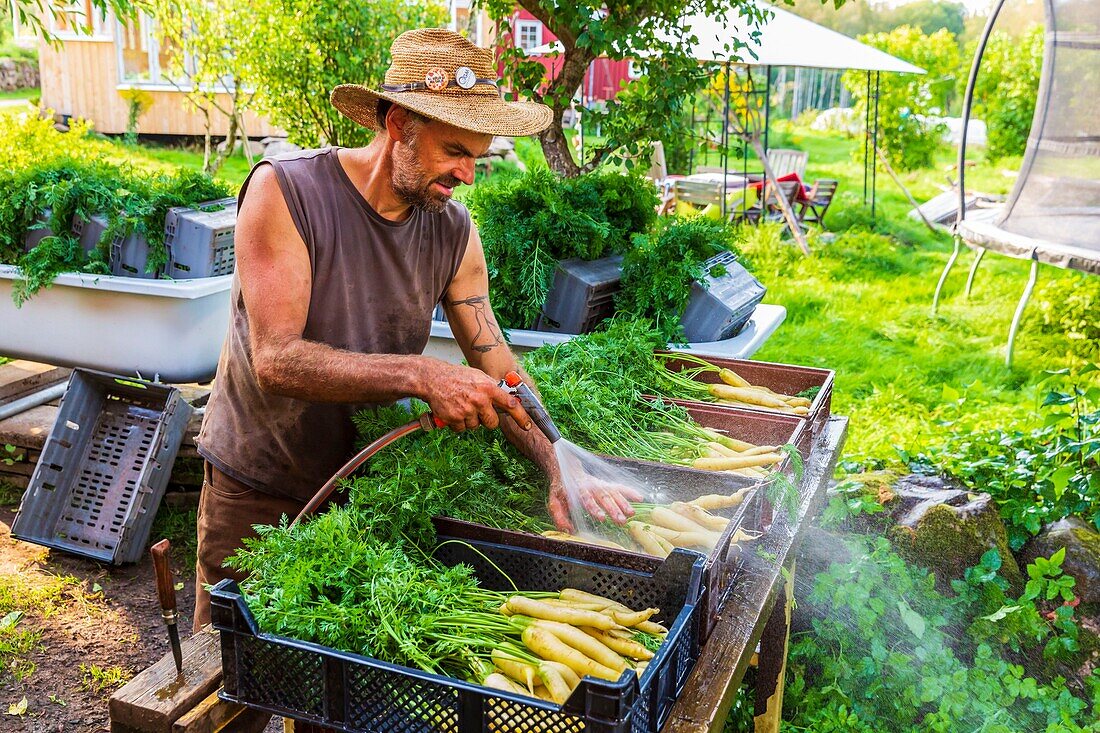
(583, 295)
(200, 243)
(718, 308)
(38, 230)
(104, 467)
(129, 253)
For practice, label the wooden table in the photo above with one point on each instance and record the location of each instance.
(751, 615)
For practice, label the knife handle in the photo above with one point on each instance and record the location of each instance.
(166, 589)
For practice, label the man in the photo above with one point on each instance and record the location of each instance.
(342, 256)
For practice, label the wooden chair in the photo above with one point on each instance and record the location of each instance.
(767, 207)
(698, 193)
(817, 201)
(783, 162)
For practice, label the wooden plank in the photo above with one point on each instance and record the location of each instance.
(20, 378)
(159, 696)
(705, 701)
(28, 429)
(214, 714)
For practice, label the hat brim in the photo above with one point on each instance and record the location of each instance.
(488, 114)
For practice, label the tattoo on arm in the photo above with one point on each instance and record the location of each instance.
(488, 335)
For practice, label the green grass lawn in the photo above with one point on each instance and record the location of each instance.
(19, 94)
(233, 171)
(862, 305)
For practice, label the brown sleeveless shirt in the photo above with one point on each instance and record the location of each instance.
(375, 285)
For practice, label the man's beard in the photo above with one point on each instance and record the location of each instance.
(411, 182)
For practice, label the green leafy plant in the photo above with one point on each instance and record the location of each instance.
(531, 222)
(1006, 88)
(886, 654)
(659, 269)
(1036, 476)
(51, 180)
(1069, 309)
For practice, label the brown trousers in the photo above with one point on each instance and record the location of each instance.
(227, 511)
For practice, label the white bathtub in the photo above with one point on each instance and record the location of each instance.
(763, 323)
(171, 330)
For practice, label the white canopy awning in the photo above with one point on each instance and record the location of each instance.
(784, 40)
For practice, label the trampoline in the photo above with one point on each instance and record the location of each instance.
(1052, 215)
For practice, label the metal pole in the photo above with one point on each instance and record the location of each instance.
(767, 104)
(866, 135)
(41, 397)
(968, 103)
(725, 140)
(943, 278)
(691, 150)
(1020, 308)
(874, 159)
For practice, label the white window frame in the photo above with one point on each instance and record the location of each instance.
(150, 45)
(528, 25)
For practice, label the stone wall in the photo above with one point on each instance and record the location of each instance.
(18, 74)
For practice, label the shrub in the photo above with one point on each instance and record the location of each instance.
(659, 269)
(1006, 88)
(906, 101)
(1035, 476)
(1069, 307)
(530, 222)
(891, 654)
(300, 50)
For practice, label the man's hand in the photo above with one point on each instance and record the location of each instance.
(463, 398)
(601, 499)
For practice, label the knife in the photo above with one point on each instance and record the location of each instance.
(166, 590)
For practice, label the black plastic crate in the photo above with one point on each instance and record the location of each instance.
(104, 467)
(200, 242)
(357, 694)
(582, 296)
(719, 307)
(129, 253)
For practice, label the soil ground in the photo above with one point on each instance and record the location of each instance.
(86, 627)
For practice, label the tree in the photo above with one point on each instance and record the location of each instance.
(931, 16)
(35, 14)
(204, 39)
(647, 30)
(298, 50)
(1006, 89)
(907, 101)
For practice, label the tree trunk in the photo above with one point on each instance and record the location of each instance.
(206, 140)
(555, 143)
(230, 143)
(556, 148)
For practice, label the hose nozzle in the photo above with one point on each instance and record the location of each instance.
(512, 384)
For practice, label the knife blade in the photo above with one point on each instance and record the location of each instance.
(166, 592)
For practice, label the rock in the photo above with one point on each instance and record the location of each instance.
(278, 146)
(500, 147)
(947, 529)
(1082, 543)
(254, 147)
(18, 74)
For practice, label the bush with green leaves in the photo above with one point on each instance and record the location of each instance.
(298, 51)
(889, 653)
(906, 101)
(659, 269)
(1006, 88)
(1069, 308)
(48, 178)
(529, 223)
(1040, 475)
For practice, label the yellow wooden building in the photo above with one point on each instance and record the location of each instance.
(84, 73)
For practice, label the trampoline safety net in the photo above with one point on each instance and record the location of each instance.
(1057, 195)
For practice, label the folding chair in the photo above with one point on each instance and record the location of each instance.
(817, 201)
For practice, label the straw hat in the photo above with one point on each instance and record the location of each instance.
(443, 76)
